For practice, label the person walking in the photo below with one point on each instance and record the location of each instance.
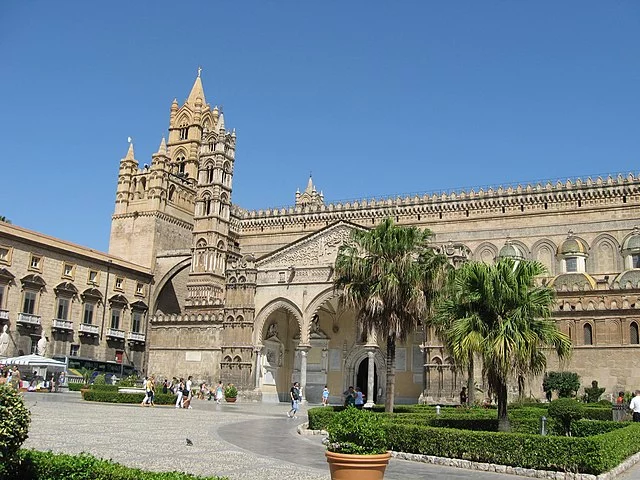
(165, 387)
(634, 406)
(179, 393)
(219, 392)
(325, 396)
(294, 393)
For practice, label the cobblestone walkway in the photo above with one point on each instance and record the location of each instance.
(241, 441)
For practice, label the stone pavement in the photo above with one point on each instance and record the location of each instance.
(241, 441)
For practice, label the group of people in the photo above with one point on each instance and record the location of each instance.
(183, 389)
(354, 397)
(10, 376)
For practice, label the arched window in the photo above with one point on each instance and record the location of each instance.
(207, 205)
(180, 164)
(588, 334)
(184, 132)
(172, 191)
(143, 183)
(209, 174)
(634, 338)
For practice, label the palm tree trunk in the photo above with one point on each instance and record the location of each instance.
(471, 387)
(503, 419)
(391, 373)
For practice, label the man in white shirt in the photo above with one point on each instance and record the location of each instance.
(634, 406)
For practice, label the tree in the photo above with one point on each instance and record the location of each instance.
(565, 383)
(382, 274)
(497, 312)
(593, 393)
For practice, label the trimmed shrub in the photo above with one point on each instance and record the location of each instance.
(103, 387)
(565, 411)
(592, 455)
(50, 466)
(14, 425)
(230, 391)
(75, 387)
(320, 418)
(593, 394)
(358, 432)
(115, 397)
(100, 380)
(565, 383)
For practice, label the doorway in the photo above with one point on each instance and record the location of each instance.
(361, 379)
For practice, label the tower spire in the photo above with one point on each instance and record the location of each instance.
(197, 91)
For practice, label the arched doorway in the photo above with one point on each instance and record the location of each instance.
(362, 379)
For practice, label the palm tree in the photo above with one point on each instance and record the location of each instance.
(497, 312)
(381, 273)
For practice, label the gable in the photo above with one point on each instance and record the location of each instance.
(318, 249)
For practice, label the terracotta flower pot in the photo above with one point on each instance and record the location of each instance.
(230, 399)
(357, 467)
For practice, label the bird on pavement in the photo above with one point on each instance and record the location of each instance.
(189, 443)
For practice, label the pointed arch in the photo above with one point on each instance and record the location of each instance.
(486, 252)
(267, 310)
(634, 337)
(605, 255)
(544, 251)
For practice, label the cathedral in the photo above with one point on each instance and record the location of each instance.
(247, 296)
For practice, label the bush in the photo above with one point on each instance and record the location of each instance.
(100, 380)
(103, 387)
(115, 397)
(565, 383)
(320, 418)
(593, 394)
(14, 425)
(50, 466)
(592, 455)
(130, 381)
(564, 411)
(75, 387)
(358, 432)
(230, 391)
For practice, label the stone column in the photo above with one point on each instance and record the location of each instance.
(303, 373)
(258, 370)
(370, 379)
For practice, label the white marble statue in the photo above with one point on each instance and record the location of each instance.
(42, 345)
(4, 341)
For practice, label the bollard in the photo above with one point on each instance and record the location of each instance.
(437, 409)
(543, 425)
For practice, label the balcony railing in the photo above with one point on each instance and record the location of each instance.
(4, 314)
(115, 333)
(62, 324)
(136, 337)
(89, 329)
(29, 319)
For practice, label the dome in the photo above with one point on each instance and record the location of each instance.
(510, 251)
(572, 245)
(633, 242)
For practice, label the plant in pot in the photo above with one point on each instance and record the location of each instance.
(86, 374)
(357, 445)
(230, 393)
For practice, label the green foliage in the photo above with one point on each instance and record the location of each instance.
(50, 466)
(75, 387)
(593, 394)
(103, 387)
(230, 391)
(499, 313)
(115, 397)
(565, 411)
(130, 381)
(357, 432)
(100, 380)
(565, 383)
(86, 374)
(592, 455)
(320, 418)
(14, 425)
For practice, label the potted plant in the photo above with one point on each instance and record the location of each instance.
(357, 445)
(230, 393)
(86, 378)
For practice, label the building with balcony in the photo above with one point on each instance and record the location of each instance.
(70, 294)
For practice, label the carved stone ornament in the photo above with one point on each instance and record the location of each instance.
(318, 249)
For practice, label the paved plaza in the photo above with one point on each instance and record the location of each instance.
(241, 441)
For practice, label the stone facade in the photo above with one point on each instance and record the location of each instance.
(247, 296)
(85, 303)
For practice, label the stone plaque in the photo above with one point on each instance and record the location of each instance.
(193, 356)
(335, 359)
(401, 359)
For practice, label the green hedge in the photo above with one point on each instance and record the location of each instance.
(592, 455)
(75, 387)
(111, 397)
(49, 466)
(104, 388)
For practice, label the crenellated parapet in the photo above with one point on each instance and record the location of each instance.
(572, 193)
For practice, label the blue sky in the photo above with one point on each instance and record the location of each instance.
(375, 98)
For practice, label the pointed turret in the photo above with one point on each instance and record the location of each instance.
(309, 188)
(221, 123)
(130, 155)
(162, 149)
(197, 92)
